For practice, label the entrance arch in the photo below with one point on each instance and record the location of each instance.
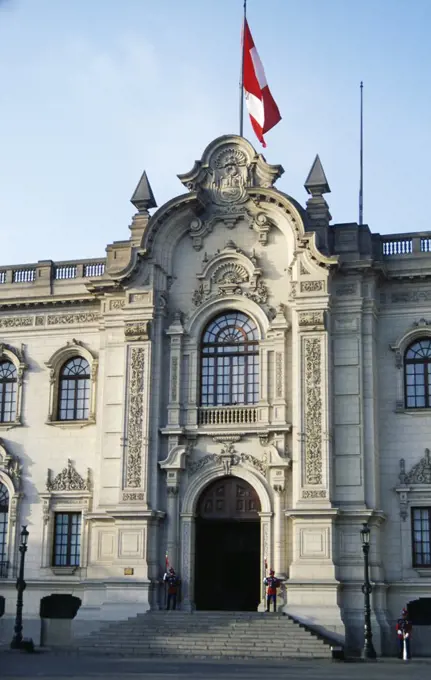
(227, 546)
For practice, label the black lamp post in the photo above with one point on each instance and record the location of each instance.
(17, 640)
(368, 651)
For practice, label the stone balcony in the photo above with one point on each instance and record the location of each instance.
(47, 278)
(228, 415)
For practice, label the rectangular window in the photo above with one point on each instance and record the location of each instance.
(67, 539)
(421, 523)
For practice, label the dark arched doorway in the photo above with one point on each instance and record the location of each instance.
(228, 547)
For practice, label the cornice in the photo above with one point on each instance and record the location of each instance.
(48, 302)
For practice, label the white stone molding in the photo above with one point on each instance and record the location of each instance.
(420, 329)
(136, 423)
(10, 476)
(275, 344)
(193, 329)
(68, 491)
(189, 503)
(174, 465)
(414, 486)
(196, 323)
(414, 491)
(72, 349)
(175, 333)
(230, 272)
(208, 474)
(16, 357)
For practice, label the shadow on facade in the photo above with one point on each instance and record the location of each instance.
(419, 612)
(57, 613)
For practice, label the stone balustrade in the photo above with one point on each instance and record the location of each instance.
(228, 415)
(53, 271)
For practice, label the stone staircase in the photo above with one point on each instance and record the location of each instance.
(207, 635)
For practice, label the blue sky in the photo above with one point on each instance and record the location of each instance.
(92, 92)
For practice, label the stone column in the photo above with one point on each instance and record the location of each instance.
(172, 528)
(279, 520)
(175, 333)
(265, 551)
(187, 561)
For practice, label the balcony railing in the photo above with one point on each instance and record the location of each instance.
(405, 244)
(44, 272)
(228, 415)
(95, 269)
(23, 275)
(66, 272)
(4, 569)
(402, 246)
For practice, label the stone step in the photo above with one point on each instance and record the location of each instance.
(206, 635)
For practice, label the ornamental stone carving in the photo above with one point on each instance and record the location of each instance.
(228, 458)
(413, 483)
(314, 493)
(139, 496)
(10, 466)
(68, 480)
(311, 320)
(137, 331)
(279, 375)
(174, 378)
(135, 418)
(230, 272)
(312, 286)
(419, 474)
(65, 319)
(16, 321)
(313, 411)
(346, 289)
(229, 165)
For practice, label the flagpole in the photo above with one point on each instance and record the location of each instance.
(361, 160)
(241, 77)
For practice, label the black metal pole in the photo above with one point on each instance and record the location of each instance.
(361, 160)
(20, 586)
(368, 652)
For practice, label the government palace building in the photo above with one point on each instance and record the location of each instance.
(240, 384)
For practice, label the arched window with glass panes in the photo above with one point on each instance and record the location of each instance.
(230, 361)
(4, 511)
(8, 391)
(74, 390)
(417, 367)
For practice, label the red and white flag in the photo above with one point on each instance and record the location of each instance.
(263, 110)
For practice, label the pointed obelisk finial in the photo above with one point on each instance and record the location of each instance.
(143, 197)
(316, 183)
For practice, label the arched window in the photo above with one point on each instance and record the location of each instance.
(230, 361)
(4, 509)
(74, 390)
(417, 364)
(8, 391)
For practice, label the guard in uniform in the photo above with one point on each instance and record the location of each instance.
(173, 582)
(272, 584)
(404, 631)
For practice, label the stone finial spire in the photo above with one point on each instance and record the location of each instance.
(143, 197)
(316, 185)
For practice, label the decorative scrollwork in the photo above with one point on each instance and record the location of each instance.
(68, 480)
(313, 411)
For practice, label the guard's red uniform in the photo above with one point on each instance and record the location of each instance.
(272, 584)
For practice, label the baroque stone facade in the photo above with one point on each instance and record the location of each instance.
(324, 438)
